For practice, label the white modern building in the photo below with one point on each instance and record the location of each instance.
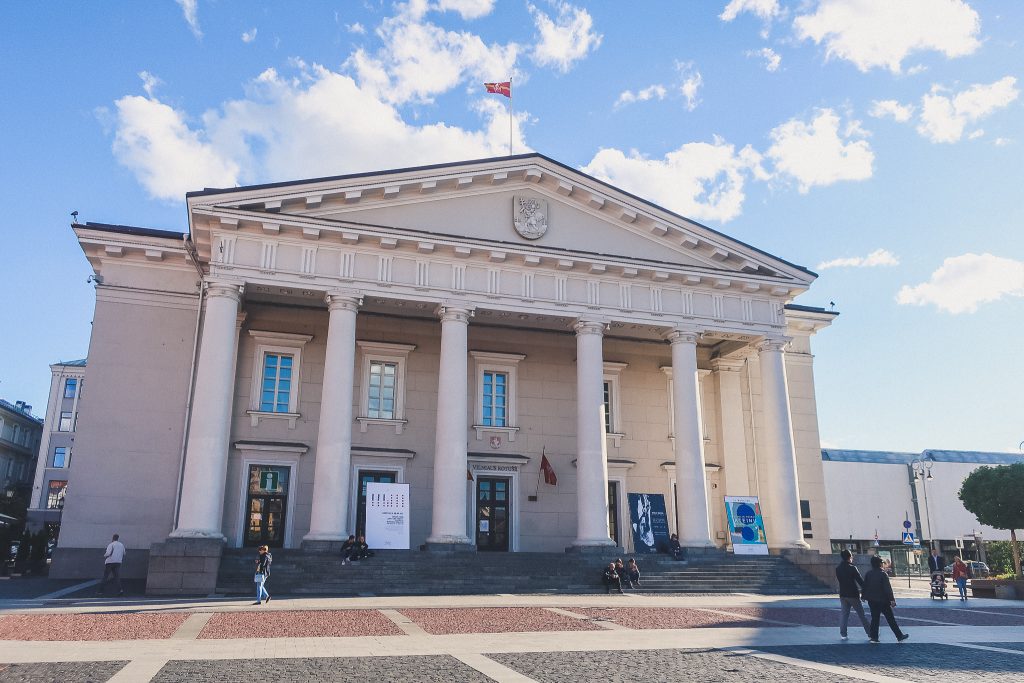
(445, 327)
(50, 482)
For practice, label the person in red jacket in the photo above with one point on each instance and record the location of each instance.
(960, 576)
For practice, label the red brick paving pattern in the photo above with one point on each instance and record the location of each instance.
(670, 617)
(143, 626)
(298, 624)
(494, 620)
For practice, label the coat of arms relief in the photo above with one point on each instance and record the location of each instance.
(530, 216)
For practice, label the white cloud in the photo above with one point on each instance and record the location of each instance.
(1002, 142)
(703, 181)
(975, 134)
(692, 82)
(565, 40)
(291, 128)
(653, 92)
(468, 9)
(356, 28)
(765, 9)
(771, 58)
(419, 59)
(149, 82)
(817, 153)
(882, 33)
(944, 118)
(190, 10)
(964, 282)
(879, 257)
(891, 109)
(249, 36)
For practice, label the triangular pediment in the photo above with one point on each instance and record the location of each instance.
(480, 201)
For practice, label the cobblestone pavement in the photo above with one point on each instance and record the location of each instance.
(669, 617)
(925, 663)
(1007, 646)
(494, 620)
(323, 670)
(299, 624)
(65, 672)
(663, 666)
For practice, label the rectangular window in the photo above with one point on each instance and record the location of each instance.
(66, 422)
(55, 495)
(382, 390)
(495, 399)
(277, 382)
(608, 407)
(70, 387)
(805, 513)
(60, 456)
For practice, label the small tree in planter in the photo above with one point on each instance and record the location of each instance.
(996, 497)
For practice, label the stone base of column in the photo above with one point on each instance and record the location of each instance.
(449, 547)
(610, 549)
(319, 547)
(184, 566)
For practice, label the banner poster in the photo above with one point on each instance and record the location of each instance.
(746, 526)
(387, 516)
(649, 522)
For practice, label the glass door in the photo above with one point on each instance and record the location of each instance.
(267, 505)
(365, 477)
(493, 513)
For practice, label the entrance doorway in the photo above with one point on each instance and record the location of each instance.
(365, 477)
(493, 513)
(267, 505)
(613, 512)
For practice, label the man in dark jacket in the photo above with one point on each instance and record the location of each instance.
(348, 548)
(611, 579)
(935, 563)
(878, 592)
(850, 583)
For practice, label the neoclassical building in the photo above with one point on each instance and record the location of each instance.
(446, 327)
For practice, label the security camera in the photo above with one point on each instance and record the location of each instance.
(98, 279)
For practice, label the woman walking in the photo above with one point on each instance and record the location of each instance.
(263, 561)
(878, 592)
(960, 576)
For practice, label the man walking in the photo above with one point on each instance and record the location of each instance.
(878, 593)
(935, 563)
(850, 584)
(112, 559)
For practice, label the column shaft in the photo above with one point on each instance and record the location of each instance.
(776, 447)
(206, 451)
(732, 433)
(591, 453)
(450, 462)
(694, 527)
(331, 478)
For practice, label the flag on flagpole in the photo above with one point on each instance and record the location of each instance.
(549, 471)
(469, 475)
(500, 88)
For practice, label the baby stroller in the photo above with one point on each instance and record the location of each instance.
(939, 586)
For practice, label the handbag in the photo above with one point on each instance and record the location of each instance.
(258, 578)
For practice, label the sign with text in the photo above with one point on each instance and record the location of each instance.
(387, 516)
(746, 526)
(649, 522)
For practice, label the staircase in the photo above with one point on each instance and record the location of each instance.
(412, 572)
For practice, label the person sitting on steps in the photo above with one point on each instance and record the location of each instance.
(633, 573)
(348, 548)
(361, 550)
(674, 549)
(611, 578)
(620, 568)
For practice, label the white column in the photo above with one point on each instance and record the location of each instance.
(694, 527)
(591, 453)
(206, 452)
(775, 446)
(732, 433)
(450, 463)
(329, 520)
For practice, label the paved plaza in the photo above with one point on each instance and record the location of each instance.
(73, 636)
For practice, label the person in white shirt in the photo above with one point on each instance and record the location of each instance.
(112, 559)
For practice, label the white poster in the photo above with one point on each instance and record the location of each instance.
(387, 516)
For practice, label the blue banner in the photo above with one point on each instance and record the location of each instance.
(746, 526)
(649, 522)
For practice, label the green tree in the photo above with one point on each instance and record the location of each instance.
(996, 497)
(999, 556)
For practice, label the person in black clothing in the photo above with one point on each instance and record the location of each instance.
(878, 592)
(674, 549)
(361, 550)
(263, 561)
(850, 583)
(347, 549)
(611, 578)
(935, 563)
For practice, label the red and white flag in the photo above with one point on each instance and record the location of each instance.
(549, 471)
(500, 88)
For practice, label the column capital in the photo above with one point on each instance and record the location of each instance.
(681, 335)
(726, 364)
(228, 290)
(596, 327)
(343, 300)
(773, 344)
(455, 313)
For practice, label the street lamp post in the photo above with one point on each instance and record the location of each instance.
(923, 472)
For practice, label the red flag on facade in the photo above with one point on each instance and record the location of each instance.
(549, 471)
(500, 88)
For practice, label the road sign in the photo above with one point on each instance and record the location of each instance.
(907, 524)
(959, 543)
(908, 538)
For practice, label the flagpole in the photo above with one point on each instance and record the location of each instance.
(536, 490)
(510, 116)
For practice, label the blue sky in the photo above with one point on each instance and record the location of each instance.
(878, 143)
